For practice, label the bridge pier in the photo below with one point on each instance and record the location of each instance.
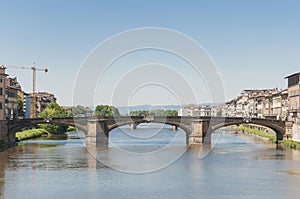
(174, 128)
(97, 132)
(133, 126)
(7, 139)
(200, 133)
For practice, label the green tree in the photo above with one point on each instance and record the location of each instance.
(20, 106)
(53, 110)
(171, 113)
(80, 110)
(106, 111)
(139, 113)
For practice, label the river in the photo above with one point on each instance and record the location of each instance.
(238, 166)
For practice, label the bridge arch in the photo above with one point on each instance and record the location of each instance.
(279, 131)
(16, 126)
(184, 127)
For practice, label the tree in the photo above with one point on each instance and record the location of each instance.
(106, 111)
(20, 106)
(139, 113)
(80, 111)
(171, 113)
(53, 110)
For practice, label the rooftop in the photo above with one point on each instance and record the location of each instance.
(292, 75)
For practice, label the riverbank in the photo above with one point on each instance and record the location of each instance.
(260, 133)
(31, 133)
(272, 138)
(36, 133)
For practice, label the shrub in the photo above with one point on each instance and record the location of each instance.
(291, 144)
(31, 133)
(72, 129)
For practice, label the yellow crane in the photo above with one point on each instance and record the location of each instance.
(33, 101)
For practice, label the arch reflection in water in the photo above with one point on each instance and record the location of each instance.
(145, 149)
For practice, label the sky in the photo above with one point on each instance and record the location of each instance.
(253, 43)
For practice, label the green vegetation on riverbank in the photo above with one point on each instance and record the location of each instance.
(285, 143)
(31, 133)
(37, 132)
(257, 132)
(52, 110)
(290, 144)
(72, 129)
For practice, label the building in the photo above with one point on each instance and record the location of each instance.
(218, 110)
(2, 92)
(12, 82)
(230, 108)
(252, 106)
(11, 103)
(284, 104)
(43, 99)
(41, 102)
(195, 111)
(252, 103)
(293, 111)
(279, 105)
(21, 111)
(68, 109)
(12, 97)
(293, 95)
(239, 107)
(27, 105)
(10, 89)
(13, 90)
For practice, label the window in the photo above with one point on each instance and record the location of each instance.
(293, 80)
(0, 105)
(294, 93)
(293, 106)
(1, 91)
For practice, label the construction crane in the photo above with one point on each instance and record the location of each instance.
(34, 69)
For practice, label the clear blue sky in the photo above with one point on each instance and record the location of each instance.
(254, 43)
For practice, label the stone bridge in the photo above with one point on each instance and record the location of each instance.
(198, 129)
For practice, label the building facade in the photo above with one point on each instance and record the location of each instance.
(42, 100)
(293, 111)
(293, 95)
(2, 92)
(11, 103)
(27, 105)
(13, 90)
(195, 111)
